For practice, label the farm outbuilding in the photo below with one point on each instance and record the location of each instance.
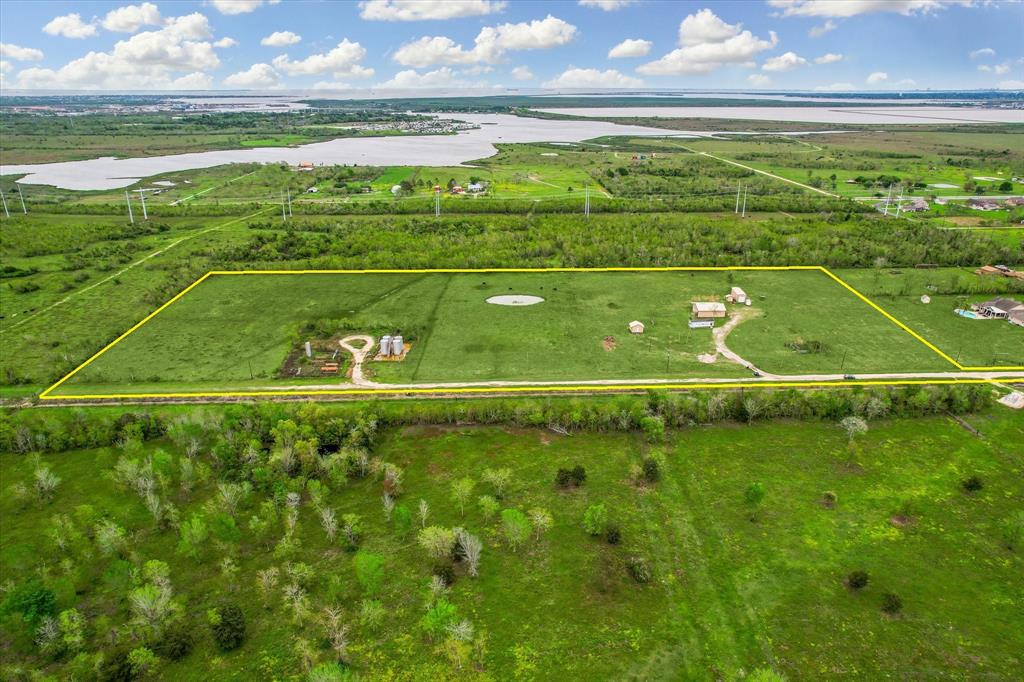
(636, 327)
(705, 310)
(736, 295)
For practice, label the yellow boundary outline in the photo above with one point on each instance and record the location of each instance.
(45, 395)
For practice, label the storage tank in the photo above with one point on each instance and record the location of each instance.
(385, 345)
(397, 345)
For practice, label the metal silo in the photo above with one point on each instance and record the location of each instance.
(397, 345)
(385, 345)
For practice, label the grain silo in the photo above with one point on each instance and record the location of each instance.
(385, 345)
(397, 346)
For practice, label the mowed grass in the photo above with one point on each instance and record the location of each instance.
(728, 594)
(238, 328)
(986, 343)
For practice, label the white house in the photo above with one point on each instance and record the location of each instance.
(703, 309)
(636, 327)
(736, 295)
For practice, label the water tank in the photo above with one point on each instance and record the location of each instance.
(397, 346)
(385, 345)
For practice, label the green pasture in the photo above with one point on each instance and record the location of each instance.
(735, 587)
(971, 342)
(233, 329)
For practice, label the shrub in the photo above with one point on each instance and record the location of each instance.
(568, 478)
(891, 603)
(369, 569)
(613, 535)
(653, 428)
(829, 499)
(516, 527)
(652, 472)
(436, 620)
(228, 625)
(972, 484)
(857, 580)
(754, 494)
(116, 667)
(595, 519)
(177, 641)
(638, 569)
(31, 600)
(445, 572)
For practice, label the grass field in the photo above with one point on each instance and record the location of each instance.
(972, 342)
(231, 329)
(728, 595)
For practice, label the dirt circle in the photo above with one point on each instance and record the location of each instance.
(515, 300)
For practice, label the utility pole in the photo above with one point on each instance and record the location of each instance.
(586, 200)
(738, 186)
(4, 200)
(437, 203)
(128, 201)
(744, 204)
(22, 196)
(888, 198)
(142, 197)
(899, 203)
(289, 203)
(284, 213)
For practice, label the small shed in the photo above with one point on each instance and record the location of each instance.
(312, 190)
(736, 295)
(705, 310)
(701, 324)
(636, 327)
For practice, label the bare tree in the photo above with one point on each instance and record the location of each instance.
(470, 547)
(541, 520)
(230, 495)
(461, 491)
(330, 522)
(424, 512)
(337, 632)
(498, 479)
(46, 482)
(854, 426)
(388, 503)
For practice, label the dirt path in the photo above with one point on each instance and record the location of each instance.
(358, 355)
(758, 170)
(720, 333)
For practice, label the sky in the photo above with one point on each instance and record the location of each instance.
(826, 45)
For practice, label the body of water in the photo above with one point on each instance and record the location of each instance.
(833, 115)
(405, 150)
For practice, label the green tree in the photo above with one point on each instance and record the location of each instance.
(369, 569)
(516, 527)
(595, 519)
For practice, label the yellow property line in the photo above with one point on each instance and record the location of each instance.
(45, 395)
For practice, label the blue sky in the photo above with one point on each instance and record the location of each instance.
(292, 44)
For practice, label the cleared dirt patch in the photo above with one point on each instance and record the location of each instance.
(609, 343)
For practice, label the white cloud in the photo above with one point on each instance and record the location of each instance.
(1000, 69)
(20, 54)
(906, 83)
(819, 31)
(70, 26)
(281, 39)
(708, 43)
(427, 10)
(877, 77)
(983, 52)
(759, 79)
(830, 58)
(147, 60)
(852, 8)
(1011, 85)
(131, 18)
(490, 44)
(631, 47)
(439, 78)
(237, 6)
(836, 87)
(784, 62)
(606, 5)
(256, 76)
(331, 85)
(6, 66)
(193, 81)
(593, 78)
(342, 61)
(226, 42)
(477, 70)
(522, 73)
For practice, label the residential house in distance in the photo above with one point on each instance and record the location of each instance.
(982, 204)
(636, 327)
(474, 187)
(1014, 202)
(1002, 309)
(706, 310)
(916, 205)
